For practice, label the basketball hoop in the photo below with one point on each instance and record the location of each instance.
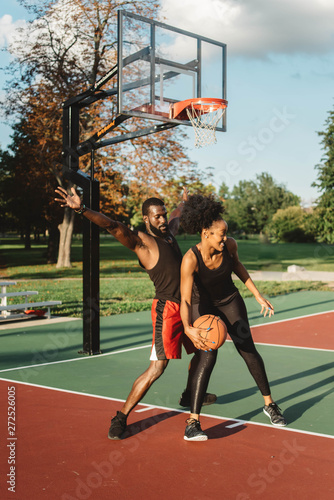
(204, 114)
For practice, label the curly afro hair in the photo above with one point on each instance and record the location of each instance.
(199, 212)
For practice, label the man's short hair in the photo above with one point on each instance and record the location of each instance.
(151, 202)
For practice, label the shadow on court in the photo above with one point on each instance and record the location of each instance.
(218, 431)
(294, 412)
(147, 423)
(307, 306)
(244, 393)
(221, 430)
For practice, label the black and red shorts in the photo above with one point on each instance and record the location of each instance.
(168, 333)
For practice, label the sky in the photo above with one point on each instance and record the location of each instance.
(280, 84)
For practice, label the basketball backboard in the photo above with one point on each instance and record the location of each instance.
(159, 65)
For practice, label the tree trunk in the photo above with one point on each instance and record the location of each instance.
(27, 242)
(53, 242)
(66, 231)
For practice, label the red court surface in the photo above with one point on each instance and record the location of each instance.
(315, 332)
(62, 452)
(57, 447)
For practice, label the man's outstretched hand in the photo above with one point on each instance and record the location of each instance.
(67, 200)
(185, 194)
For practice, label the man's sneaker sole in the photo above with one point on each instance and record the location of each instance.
(203, 437)
(277, 424)
(115, 438)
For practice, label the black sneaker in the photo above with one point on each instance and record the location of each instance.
(209, 399)
(274, 413)
(117, 426)
(193, 431)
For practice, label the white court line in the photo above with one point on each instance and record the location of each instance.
(237, 424)
(292, 346)
(152, 407)
(146, 408)
(292, 319)
(75, 359)
(149, 345)
(26, 322)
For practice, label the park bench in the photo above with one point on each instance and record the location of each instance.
(11, 311)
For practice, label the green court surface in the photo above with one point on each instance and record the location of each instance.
(301, 379)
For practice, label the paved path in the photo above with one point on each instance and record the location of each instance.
(324, 276)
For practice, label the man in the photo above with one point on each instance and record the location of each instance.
(159, 254)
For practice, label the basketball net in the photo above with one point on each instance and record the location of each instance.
(204, 124)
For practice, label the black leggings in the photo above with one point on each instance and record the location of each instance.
(234, 314)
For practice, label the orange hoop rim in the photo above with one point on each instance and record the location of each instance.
(203, 104)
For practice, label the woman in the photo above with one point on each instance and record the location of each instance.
(207, 288)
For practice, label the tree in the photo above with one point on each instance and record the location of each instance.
(170, 192)
(240, 208)
(68, 46)
(5, 214)
(270, 197)
(25, 195)
(291, 224)
(224, 192)
(194, 184)
(325, 183)
(251, 205)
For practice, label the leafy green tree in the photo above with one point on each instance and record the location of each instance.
(25, 186)
(269, 197)
(7, 221)
(251, 205)
(291, 224)
(223, 192)
(240, 208)
(325, 183)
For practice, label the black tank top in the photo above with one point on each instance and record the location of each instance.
(213, 284)
(166, 273)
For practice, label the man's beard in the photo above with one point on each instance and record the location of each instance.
(158, 232)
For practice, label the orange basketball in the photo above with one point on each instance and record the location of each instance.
(214, 330)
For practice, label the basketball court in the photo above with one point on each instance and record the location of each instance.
(64, 402)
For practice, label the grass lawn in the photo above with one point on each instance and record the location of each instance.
(130, 294)
(125, 287)
(116, 259)
(278, 256)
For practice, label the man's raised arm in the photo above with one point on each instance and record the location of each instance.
(174, 219)
(123, 234)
